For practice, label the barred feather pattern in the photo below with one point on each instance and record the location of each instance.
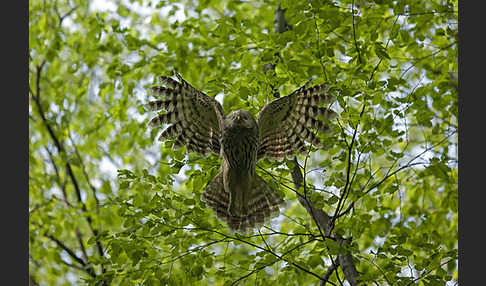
(183, 106)
(264, 204)
(238, 195)
(287, 123)
(240, 146)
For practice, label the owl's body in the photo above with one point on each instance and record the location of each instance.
(239, 146)
(238, 195)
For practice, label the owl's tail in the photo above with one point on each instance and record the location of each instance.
(263, 204)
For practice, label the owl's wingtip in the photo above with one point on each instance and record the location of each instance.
(148, 107)
(177, 75)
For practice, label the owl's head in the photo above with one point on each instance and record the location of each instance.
(241, 119)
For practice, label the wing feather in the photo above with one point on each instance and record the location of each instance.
(194, 118)
(288, 122)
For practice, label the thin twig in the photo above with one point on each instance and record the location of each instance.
(354, 35)
(256, 270)
(318, 46)
(386, 46)
(347, 185)
(88, 269)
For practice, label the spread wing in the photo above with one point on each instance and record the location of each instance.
(286, 123)
(194, 118)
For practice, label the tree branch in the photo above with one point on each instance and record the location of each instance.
(327, 275)
(87, 268)
(56, 170)
(63, 153)
(345, 261)
(280, 24)
(83, 169)
(321, 218)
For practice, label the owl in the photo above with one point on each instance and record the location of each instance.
(237, 194)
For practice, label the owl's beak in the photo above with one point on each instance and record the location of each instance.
(238, 117)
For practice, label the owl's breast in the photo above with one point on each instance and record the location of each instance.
(239, 147)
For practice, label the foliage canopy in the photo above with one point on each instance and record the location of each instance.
(108, 205)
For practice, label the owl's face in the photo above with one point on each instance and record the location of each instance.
(241, 119)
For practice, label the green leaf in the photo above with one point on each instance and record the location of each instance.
(95, 167)
(332, 200)
(381, 52)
